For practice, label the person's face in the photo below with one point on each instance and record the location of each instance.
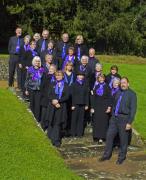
(98, 68)
(26, 41)
(116, 84)
(65, 37)
(79, 41)
(70, 52)
(52, 70)
(80, 77)
(50, 45)
(69, 67)
(45, 34)
(91, 52)
(33, 45)
(49, 59)
(101, 79)
(113, 71)
(124, 84)
(18, 32)
(59, 77)
(37, 63)
(84, 61)
(36, 37)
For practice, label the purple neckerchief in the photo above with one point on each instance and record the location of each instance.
(36, 73)
(68, 59)
(34, 53)
(81, 82)
(100, 90)
(26, 47)
(95, 84)
(82, 68)
(97, 74)
(66, 79)
(59, 88)
(79, 53)
(114, 91)
(50, 51)
(111, 82)
(63, 51)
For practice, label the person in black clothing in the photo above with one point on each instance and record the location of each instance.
(57, 111)
(83, 67)
(47, 79)
(50, 51)
(80, 48)
(101, 107)
(33, 84)
(25, 62)
(123, 113)
(80, 104)
(48, 62)
(42, 43)
(112, 75)
(69, 78)
(36, 37)
(23, 50)
(92, 60)
(61, 50)
(15, 42)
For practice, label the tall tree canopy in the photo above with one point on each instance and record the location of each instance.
(111, 26)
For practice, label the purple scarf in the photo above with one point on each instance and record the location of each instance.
(114, 91)
(100, 90)
(68, 59)
(26, 47)
(36, 73)
(82, 68)
(59, 89)
(81, 82)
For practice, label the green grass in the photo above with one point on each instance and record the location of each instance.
(131, 67)
(25, 152)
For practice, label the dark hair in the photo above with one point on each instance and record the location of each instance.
(71, 48)
(32, 41)
(114, 67)
(101, 75)
(126, 78)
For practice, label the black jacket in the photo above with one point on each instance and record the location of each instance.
(13, 43)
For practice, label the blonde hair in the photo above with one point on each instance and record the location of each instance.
(36, 58)
(79, 37)
(27, 36)
(59, 73)
(68, 63)
(98, 64)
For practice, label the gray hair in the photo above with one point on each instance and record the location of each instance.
(84, 57)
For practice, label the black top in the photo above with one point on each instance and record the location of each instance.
(109, 77)
(83, 49)
(39, 45)
(128, 104)
(92, 63)
(80, 94)
(13, 43)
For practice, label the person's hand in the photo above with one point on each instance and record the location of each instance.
(20, 66)
(54, 102)
(27, 93)
(108, 110)
(91, 92)
(86, 108)
(26, 67)
(92, 110)
(73, 108)
(128, 126)
(57, 105)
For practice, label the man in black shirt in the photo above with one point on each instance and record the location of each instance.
(123, 113)
(14, 45)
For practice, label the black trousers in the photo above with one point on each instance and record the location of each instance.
(35, 97)
(60, 63)
(77, 121)
(13, 66)
(117, 125)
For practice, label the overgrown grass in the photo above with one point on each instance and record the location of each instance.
(25, 152)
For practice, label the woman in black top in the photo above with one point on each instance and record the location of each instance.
(33, 84)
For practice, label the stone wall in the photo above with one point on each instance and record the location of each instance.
(3, 68)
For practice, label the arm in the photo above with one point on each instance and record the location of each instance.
(133, 107)
(9, 45)
(65, 95)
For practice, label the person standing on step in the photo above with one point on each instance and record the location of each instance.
(100, 107)
(15, 42)
(80, 104)
(123, 114)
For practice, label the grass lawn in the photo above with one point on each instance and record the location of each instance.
(25, 152)
(135, 69)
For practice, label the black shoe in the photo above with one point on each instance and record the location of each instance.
(120, 161)
(103, 159)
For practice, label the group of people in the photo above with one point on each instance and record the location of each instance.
(67, 90)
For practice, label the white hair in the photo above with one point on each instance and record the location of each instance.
(36, 58)
(116, 80)
(98, 64)
(84, 57)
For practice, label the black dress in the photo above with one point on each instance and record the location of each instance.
(100, 103)
(80, 99)
(56, 117)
